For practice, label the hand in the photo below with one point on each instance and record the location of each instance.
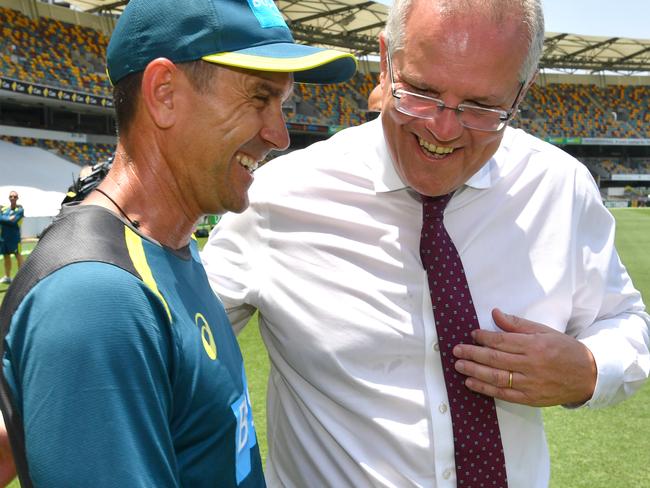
(7, 467)
(548, 367)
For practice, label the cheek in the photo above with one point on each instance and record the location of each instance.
(390, 117)
(394, 133)
(239, 126)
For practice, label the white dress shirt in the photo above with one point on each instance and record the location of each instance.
(329, 253)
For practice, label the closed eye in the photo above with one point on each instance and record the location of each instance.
(473, 103)
(427, 92)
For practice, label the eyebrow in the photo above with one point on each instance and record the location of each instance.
(272, 90)
(488, 100)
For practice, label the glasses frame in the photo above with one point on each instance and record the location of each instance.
(505, 116)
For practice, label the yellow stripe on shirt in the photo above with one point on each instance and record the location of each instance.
(139, 259)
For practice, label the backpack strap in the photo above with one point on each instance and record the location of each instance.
(78, 234)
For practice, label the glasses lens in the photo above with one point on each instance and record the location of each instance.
(469, 116)
(481, 118)
(416, 106)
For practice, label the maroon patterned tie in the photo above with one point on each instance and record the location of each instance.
(477, 439)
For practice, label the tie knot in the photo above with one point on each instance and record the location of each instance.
(434, 207)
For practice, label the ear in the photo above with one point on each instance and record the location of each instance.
(159, 86)
(529, 84)
(532, 80)
(383, 64)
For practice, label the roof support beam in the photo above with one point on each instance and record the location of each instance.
(367, 27)
(329, 13)
(589, 47)
(107, 7)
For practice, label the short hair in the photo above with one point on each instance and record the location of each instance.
(126, 92)
(125, 98)
(532, 16)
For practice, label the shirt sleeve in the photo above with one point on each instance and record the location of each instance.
(19, 213)
(89, 364)
(12, 217)
(229, 259)
(609, 314)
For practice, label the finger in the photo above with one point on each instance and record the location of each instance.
(516, 324)
(498, 377)
(512, 395)
(502, 341)
(496, 356)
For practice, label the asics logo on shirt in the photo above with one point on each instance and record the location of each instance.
(206, 336)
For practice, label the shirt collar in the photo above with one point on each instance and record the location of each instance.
(384, 174)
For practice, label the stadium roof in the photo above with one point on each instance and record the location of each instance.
(596, 54)
(354, 25)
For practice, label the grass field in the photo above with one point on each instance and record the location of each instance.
(607, 448)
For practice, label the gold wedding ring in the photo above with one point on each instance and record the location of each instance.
(509, 379)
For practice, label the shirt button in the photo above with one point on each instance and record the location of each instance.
(442, 408)
(436, 347)
(446, 474)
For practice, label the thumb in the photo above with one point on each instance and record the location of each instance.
(515, 324)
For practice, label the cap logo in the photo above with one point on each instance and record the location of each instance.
(267, 13)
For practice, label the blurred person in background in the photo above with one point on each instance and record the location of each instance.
(374, 103)
(374, 99)
(11, 219)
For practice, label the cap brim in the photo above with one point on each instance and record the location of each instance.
(309, 64)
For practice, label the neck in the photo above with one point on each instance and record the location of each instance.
(134, 223)
(144, 192)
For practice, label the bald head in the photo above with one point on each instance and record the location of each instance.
(374, 99)
(527, 13)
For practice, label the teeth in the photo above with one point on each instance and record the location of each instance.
(247, 162)
(435, 149)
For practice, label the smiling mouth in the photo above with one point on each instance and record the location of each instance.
(247, 162)
(435, 150)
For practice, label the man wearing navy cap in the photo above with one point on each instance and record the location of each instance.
(120, 367)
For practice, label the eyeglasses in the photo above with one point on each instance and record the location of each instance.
(13, 197)
(470, 116)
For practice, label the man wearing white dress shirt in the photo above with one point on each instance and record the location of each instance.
(328, 252)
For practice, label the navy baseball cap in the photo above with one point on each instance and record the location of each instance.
(242, 33)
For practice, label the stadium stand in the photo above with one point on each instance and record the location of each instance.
(558, 110)
(61, 55)
(52, 53)
(81, 153)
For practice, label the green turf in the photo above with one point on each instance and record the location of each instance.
(607, 448)
(26, 250)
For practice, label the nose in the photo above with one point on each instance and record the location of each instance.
(274, 131)
(444, 125)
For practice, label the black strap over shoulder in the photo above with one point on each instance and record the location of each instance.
(78, 234)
